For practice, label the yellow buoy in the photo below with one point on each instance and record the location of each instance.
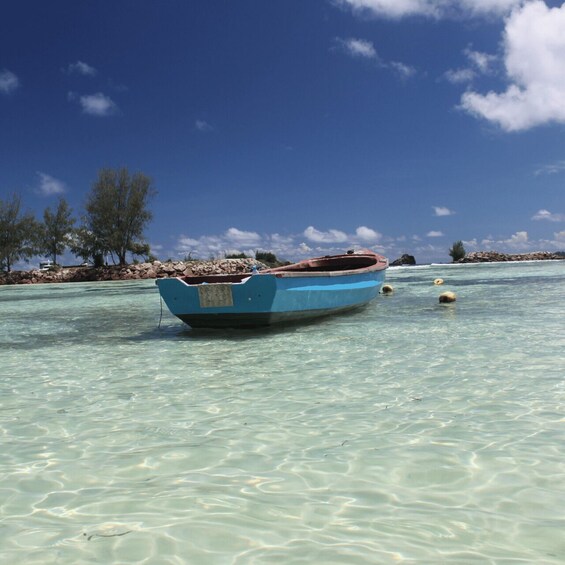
(387, 289)
(438, 281)
(447, 297)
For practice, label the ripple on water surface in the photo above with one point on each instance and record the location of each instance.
(407, 432)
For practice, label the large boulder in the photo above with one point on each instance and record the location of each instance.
(404, 260)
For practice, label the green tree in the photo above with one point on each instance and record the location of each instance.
(56, 230)
(457, 251)
(84, 244)
(267, 257)
(18, 233)
(117, 212)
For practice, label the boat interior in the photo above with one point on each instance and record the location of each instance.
(318, 265)
(330, 263)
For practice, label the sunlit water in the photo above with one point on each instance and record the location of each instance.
(409, 432)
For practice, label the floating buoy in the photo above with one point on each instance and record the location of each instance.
(387, 289)
(447, 297)
(438, 281)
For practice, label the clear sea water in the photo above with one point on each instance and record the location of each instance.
(408, 432)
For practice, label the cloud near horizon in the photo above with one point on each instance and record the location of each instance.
(313, 242)
(548, 216)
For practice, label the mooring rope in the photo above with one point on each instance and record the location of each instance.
(161, 315)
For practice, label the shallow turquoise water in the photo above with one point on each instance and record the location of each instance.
(409, 432)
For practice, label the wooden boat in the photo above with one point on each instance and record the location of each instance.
(308, 289)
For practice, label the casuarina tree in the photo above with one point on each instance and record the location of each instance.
(117, 212)
(457, 251)
(18, 233)
(56, 230)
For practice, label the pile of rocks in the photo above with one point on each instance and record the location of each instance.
(495, 256)
(153, 270)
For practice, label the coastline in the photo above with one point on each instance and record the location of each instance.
(162, 269)
(496, 257)
(136, 271)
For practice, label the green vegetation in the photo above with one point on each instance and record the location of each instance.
(18, 233)
(55, 234)
(457, 251)
(236, 256)
(269, 258)
(117, 214)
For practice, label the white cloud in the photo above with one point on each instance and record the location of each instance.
(96, 104)
(481, 61)
(534, 42)
(391, 8)
(520, 238)
(459, 76)
(551, 169)
(8, 81)
(330, 236)
(488, 6)
(231, 241)
(430, 8)
(403, 71)
(81, 68)
(201, 125)
(242, 238)
(547, 215)
(294, 247)
(291, 246)
(358, 48)
(48, 185)
(367, 235)
(442, 211)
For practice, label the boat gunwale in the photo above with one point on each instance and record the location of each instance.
(301, 269)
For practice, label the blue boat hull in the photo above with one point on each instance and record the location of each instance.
(264, 299)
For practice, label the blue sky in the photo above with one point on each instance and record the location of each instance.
(300, 127)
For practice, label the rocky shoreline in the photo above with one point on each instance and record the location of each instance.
(496, 257)
(158, 269)
(139, 271)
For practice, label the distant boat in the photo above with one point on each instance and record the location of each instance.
(308, 289)
(46, 265)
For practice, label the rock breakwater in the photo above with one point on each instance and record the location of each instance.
(154, 270)
(495, 256)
